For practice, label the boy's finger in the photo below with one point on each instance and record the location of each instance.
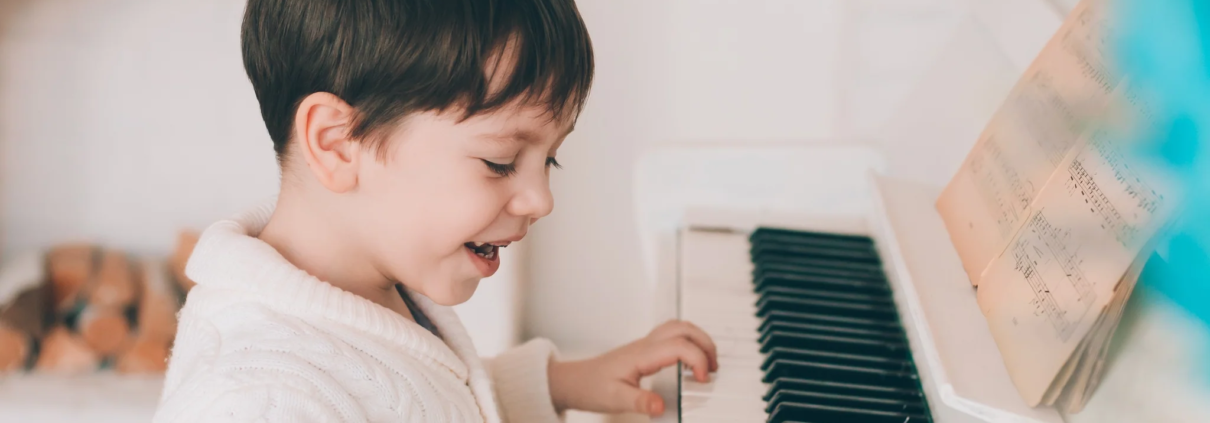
(669, 351)
(640, 401)
(703, 340)
(695, 334)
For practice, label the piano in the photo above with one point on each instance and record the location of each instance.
(818, 314)
(828, 281)
(856, 308)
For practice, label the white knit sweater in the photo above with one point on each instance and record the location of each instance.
(260, 340)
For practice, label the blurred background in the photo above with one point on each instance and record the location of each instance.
(125, 122)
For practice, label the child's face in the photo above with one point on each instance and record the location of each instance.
(446, 193)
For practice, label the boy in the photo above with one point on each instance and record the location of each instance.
(415, 139)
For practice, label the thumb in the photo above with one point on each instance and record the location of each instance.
(641, 401)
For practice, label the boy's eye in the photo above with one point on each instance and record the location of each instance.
(550, 161)
(501, 169)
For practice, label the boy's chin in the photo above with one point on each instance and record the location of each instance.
(457, 292)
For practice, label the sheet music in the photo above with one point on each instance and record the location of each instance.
(1036, 128)
(1049, 289)
(1048, 213)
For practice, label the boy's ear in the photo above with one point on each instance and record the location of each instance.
(322, 126)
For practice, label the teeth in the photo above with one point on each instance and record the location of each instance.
(486, 251)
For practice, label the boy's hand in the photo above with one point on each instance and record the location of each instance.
(610, 383)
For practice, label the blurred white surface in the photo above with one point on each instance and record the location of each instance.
(1157, 369)
(101, 398)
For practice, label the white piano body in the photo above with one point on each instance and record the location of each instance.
(1157, 374)
(709, 280)
(869, 189)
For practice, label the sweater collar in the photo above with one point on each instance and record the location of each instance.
(229, 256)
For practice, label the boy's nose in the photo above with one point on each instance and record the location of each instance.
(534, 199)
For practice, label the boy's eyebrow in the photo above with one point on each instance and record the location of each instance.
(522, 135)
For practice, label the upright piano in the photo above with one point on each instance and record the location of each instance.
(832, 313)
(828, 281)
(856, 310)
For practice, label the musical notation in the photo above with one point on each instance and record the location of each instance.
(1054, 122)
(1028, 139)
(1000, 186)
(1063, 305)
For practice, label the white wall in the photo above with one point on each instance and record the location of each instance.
(887, 45)
(122, 121)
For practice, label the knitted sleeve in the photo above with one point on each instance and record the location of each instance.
(522, 384)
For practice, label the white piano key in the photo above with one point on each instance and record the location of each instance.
(704, 315)
(716, 294)
(751, 401)
(715, 259)
(735, 332)
(727, 382)
(737, 348)
(730, 362)
(701, 409)
(701, 301)
(722, 323)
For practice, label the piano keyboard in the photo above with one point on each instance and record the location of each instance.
(806, 328)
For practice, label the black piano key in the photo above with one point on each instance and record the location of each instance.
(843, 374)
(810, 267)
(839, 400)
(774, 279)
(831, 387)
(780, 316)
(831, 343)
(786, 253)
(790, 412)
(828, 330)
(834, 348)
(841, 359)
(765, 250)
(772, 303)
(823, 294)
(765, 233)
(810, 263)
(777, 233)
(858, 244)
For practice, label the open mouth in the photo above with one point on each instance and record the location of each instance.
(487, 251)
(485, 256)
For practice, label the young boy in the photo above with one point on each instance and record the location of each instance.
(416, 139)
